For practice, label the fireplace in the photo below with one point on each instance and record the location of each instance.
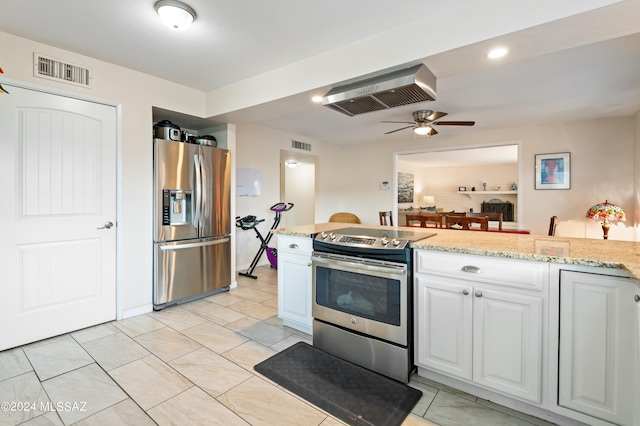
(496, 205)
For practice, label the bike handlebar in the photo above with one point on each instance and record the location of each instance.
(281, 207)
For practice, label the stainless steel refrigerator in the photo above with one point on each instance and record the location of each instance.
(192, 221)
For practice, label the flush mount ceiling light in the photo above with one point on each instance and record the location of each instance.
(175, 15)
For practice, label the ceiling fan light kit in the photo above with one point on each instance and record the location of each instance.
(424, 120)
(423, 129)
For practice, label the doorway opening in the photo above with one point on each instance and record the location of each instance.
(461, 179)
(298, 183)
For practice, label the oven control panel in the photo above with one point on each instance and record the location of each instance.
(383, 242)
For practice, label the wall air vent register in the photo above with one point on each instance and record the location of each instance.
(300, 145)
(64, 72)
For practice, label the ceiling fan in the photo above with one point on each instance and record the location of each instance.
(423, 121)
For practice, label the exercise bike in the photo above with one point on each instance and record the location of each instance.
(250, 222)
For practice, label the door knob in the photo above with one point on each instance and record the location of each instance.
(107, 225)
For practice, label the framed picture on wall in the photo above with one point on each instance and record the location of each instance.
(553, 171)
(405, 187)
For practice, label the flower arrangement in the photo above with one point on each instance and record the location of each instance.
(606, 212)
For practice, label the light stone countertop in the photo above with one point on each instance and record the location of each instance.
(572, 251)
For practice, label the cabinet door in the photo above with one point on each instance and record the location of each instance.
(507, 348)
(443, 325)
(294, 291)
(596, 335)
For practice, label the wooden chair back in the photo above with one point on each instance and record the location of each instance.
(344, 217)
(424, 221)
(386, 218)
(466, 222)
(491, 216)
(552, 225)
(452, 213)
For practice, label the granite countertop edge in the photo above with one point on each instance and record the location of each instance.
(622, 255)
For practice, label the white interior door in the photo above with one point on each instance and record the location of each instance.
(58, 174)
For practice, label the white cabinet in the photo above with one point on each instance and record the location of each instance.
(294, 282)
(598, 335)
(443, 325)
(481, 320)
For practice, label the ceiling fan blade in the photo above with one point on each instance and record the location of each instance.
(401, 122)
(397, 130)
(433, 132)
(454, 123)
(434, 116)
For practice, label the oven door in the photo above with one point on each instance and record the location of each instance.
(363, 295)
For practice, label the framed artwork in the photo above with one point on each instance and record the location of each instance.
(405, 187)
(553, 171)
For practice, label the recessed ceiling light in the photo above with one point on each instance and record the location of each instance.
(498, 52)
(317, 99)
(175, 15)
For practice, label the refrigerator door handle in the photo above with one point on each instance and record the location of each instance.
(192, 245)
(197, 217)
(204, 212)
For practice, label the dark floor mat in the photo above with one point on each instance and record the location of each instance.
(351, 393)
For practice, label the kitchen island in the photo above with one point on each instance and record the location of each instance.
(549, 326)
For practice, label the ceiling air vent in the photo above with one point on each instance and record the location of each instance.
(301, 145)
(390, 90)
(53, 69)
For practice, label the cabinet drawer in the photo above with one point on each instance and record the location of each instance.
(295, 245)
(492, 270)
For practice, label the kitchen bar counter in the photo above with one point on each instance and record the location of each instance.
(572, 251)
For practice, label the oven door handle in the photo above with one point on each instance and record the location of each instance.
(359, 263)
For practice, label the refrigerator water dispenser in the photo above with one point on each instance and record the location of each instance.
(176, 207)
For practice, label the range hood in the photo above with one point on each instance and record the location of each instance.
(397, 88)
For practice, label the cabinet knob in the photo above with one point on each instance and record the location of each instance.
(465, 292)
(478, 294)
(636, 297)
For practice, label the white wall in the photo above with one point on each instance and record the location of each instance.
(135, 94)
(635, 218)
(258, 147)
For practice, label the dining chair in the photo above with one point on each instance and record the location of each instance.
(344, 217)
(452, 213)
(412, 218)
(466, 222)
(491, 216)
(552, 225)
(386, 217)
(424, 221)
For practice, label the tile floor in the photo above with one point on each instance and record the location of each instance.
(191, 365)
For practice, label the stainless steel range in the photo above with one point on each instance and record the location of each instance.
(363, 298)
